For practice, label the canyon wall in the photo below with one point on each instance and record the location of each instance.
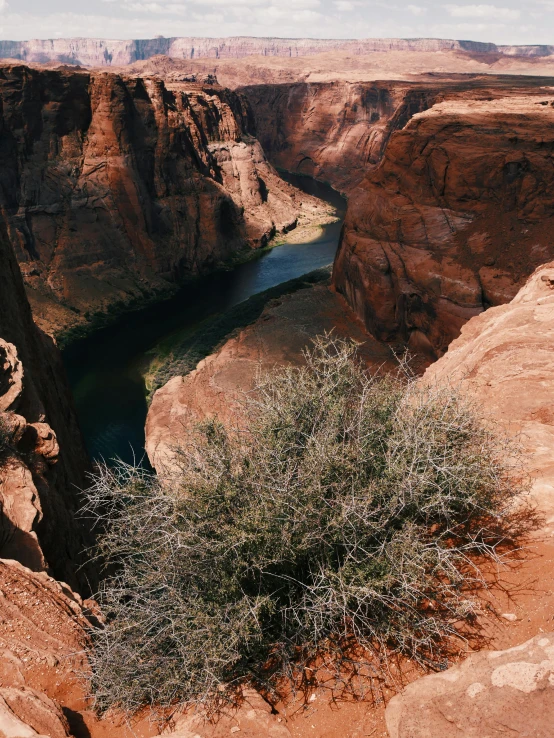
(332, 131)
(455, 217)
(42, 456)
(116, 188)
(105, 52)
(338, 131)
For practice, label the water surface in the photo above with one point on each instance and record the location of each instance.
(106, 369)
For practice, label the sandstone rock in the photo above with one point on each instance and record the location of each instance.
(128, 186)
(42, 635)
(505, 359)
(491, 693)
(11, 377)
(25, 713)
(339, 65)
(45, 462)
(333, 132)
(105, 52)
(455, 217)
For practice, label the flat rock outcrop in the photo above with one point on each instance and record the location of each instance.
(115, 188)
(491, 693)
(217, 386)
(454, 218)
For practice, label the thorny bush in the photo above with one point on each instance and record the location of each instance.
(352, 511)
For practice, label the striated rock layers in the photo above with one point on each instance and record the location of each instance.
(333, 131)
(105, 52)
(455, 217)
(42, 456)
(42, 634)
(114, 188)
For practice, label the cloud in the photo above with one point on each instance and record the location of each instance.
(3, 5)
(345, 5)
(416, 10)
(482, 11)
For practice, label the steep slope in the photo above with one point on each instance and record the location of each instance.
(43, 462)
(455, 217)
(333, 131)
(116, 188)
(505, 359)
(338, 131)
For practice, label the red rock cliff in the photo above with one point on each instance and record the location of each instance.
(42, 456)
(458, 213)
(332, 131)
(117, 187)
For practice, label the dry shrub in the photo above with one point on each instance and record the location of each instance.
(353, 512)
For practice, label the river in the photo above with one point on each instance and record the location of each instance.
(106, 370)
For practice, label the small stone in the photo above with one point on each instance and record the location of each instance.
(509, 616)
(235, 729)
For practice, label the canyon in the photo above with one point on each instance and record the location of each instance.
(453, 220)
(116, 189)
(119, 185)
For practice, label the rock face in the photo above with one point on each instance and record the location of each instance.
(105, 52)
(217, 385)
(505, 358)
(455, 217)
(491, 693)
(42, 456)
(116, 188)
(333, 131)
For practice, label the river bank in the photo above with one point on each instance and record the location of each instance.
(108, 370)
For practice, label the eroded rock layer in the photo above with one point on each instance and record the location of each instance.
(105, 52)
(455, 217)
(115, 188)
(492, 692)
(333, 131)
(42, 456)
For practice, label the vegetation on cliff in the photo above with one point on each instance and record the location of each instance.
(344, 520)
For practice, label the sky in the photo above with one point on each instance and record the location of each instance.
(504, 22)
